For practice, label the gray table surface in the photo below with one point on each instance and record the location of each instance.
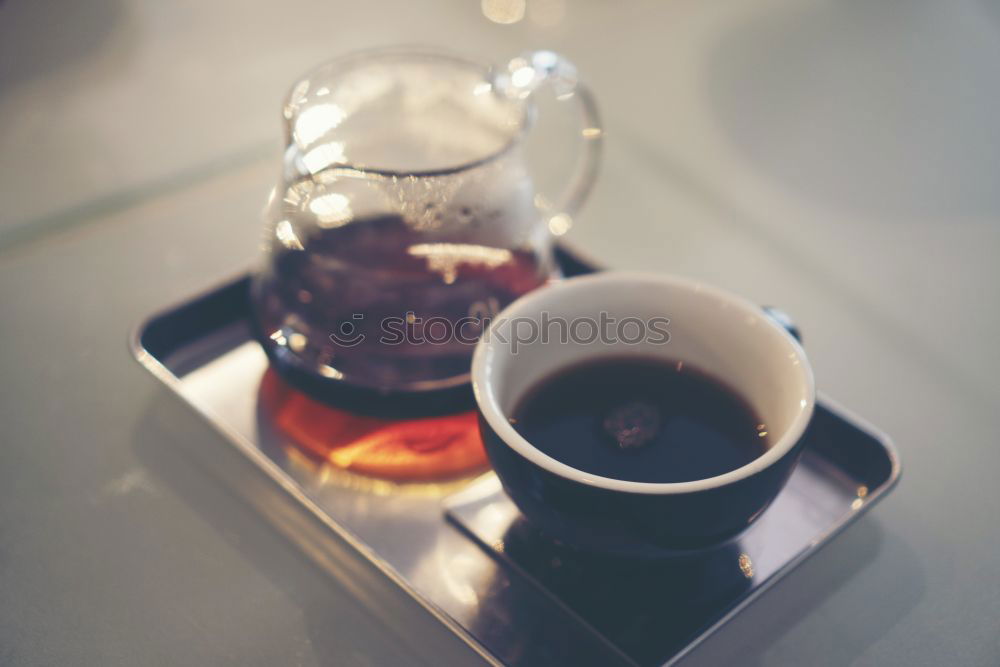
(839, 159)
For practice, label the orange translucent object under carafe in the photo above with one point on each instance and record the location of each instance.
(413, 449)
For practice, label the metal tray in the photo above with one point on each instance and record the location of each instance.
(463, 552)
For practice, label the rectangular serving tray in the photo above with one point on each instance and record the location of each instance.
(461, 549)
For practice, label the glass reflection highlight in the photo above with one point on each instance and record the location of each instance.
(324, 156)
(445, 258)
(560, 224)
(286, 234)
(315, 121)
(331, 210)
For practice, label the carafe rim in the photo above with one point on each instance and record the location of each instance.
(402, 52)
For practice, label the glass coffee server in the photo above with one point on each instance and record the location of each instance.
(409, 211)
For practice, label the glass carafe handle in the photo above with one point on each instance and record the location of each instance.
(524, 75)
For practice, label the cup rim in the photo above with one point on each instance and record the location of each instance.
(489, 404)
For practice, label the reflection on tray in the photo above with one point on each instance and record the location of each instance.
(630, 601)
(648, 608)
(401, 450)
